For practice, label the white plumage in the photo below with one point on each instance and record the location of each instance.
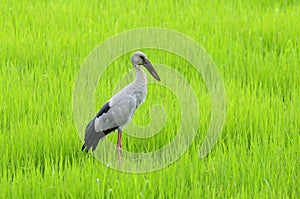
(118, 111)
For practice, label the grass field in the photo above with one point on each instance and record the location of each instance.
(255, 45)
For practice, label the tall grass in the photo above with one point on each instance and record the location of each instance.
(255, 46)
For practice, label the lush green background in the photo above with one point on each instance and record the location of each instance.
(255, 45)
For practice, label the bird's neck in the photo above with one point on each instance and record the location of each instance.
(140, 75)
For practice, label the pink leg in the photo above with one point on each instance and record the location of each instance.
(119, 146)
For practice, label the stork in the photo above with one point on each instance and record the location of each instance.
(118, 111)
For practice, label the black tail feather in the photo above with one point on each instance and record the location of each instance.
(91, 138)
(83, 148)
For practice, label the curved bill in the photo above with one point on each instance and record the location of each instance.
(151, 69)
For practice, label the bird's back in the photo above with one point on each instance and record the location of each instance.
(126, 101)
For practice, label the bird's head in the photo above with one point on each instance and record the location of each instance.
(139, 58)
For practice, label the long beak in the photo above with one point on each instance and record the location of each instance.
(151, 69)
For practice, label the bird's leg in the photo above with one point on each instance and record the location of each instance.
(119, 146)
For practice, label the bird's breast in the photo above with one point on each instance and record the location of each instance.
(140, 95)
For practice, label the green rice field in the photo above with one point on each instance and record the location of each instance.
(255, 46)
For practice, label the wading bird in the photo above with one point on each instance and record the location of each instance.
(118, 111)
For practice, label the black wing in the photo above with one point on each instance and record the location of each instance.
(91, 138)
(104, 109)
